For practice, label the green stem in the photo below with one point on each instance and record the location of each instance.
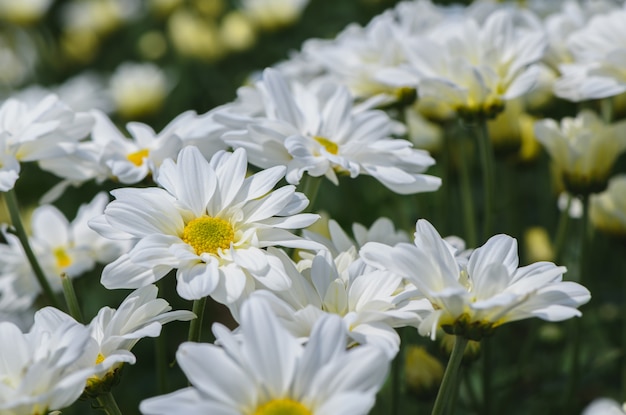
(576, 326)
(485, 148)
(486, 376)
(606, 108)
(469, 217)
(108, 404)
(310, 188)
(70, 298)
(447, 388)
(396, 378)
(14, 212)
(195, 326)
(160, 354)
(623, 338)
(561, 231)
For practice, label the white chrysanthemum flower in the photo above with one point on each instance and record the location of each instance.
(315, 130)
(61, 247)
(42, 370)
(32, 133)
(273, 14)
(491, 290)
(209, 222)
(604, 406)
(269, 372)
(140, 315)
(111, 155)
(572, 16)
(370, 302)
(607, 210)
(583, 149)
(472, 68)
(599, 66)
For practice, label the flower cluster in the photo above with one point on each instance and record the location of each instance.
(221, 202)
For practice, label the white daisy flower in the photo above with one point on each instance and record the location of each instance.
(32, 133)
(475, 68)
(490, 291)
(61, 247)
(209, 222)
(599, 52)
(42, 370)
(315, 130)
(370, 302)
(270, 372)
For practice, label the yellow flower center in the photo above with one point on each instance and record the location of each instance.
(331, 147)
(282, 407)
(99, 359)
(137, 157)
(207, 234)
(63, 259)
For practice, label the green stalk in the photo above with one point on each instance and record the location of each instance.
(108, 404)
(469, 216)
(396, 378)
(310, 187)
(448, 387)
(606, 108)
(195, 326)
(486, 376)
(70, 298)
(485, 148)
(14, 212)
(574, 375)
(561, 231)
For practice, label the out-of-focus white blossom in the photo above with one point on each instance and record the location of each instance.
(583, 149)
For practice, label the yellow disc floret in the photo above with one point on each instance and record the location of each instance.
(282, 407)
(207, 234)
(330, 146)
(137, 157)
(62, 258)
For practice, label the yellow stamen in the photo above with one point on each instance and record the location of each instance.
(282, 407)
(137, 157)
(63, 259)
(99, 359)
(207, 234)
(330, 146)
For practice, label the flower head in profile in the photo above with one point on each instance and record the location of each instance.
(489, 291)
(209, 222)
(314, 129)
(268, 371)
(607, 210)
(42, 370)
(583, 149)
(115, 332)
